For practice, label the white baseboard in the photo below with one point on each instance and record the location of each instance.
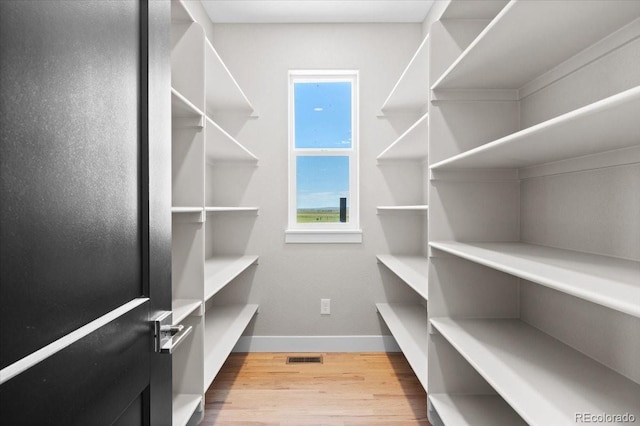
(316, 344)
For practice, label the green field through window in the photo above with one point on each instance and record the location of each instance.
(319, 215)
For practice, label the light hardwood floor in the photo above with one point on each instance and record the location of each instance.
(347, 389)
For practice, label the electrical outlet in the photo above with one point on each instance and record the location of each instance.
(325, 306)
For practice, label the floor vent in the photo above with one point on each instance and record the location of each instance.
(304, 360)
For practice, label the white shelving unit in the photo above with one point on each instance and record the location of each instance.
(606, 125)
(222, 147)
(406, 209)
(220, 271)
(182, 107)
(223, 94)
(408, 323)
(474, 410)
(485, 10)
(411, 91)
(180, 14)
(223, 328)
(491, 62)
(186, 210)
(184, 406)
(413, 270)
(533, 259)
(410, 145)
(544, 380)
(604, 280)
(188, 214)
(182, 308)
(202, 88)
(230, 209)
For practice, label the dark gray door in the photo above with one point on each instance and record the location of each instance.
(84, 211)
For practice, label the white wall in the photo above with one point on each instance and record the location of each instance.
(292, 278)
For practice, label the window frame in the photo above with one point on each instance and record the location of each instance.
(335, 232)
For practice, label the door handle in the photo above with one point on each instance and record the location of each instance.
(171, 329)
(175, 335)
(167, 337)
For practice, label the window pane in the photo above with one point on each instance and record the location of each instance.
(321, 182)
(322, 115)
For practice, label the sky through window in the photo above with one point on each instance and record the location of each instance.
(322, 121)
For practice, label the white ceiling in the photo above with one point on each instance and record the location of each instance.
(316, 11)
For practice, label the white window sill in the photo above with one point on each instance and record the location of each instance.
(323, 236)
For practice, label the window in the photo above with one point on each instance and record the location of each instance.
(323, 157)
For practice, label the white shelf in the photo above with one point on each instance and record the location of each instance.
(544, 380)
(182, 308)
(184, 405)
(182, 107)
(220, 271)
(411, 145)
(179, 210)
(529, 38)
(408, 324)
(394, 209)
(187, 62)
(221, 209)
(411, 92)
(413, 270)
(179, 13)
(221, 146)
(474, 410)
(464, 9)
(223, 94)
(606, 125)
(223, 327)
(607, 281)
(188, 214)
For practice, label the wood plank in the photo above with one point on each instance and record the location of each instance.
(347, 389)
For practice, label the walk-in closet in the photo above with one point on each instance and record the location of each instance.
(320, 212)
